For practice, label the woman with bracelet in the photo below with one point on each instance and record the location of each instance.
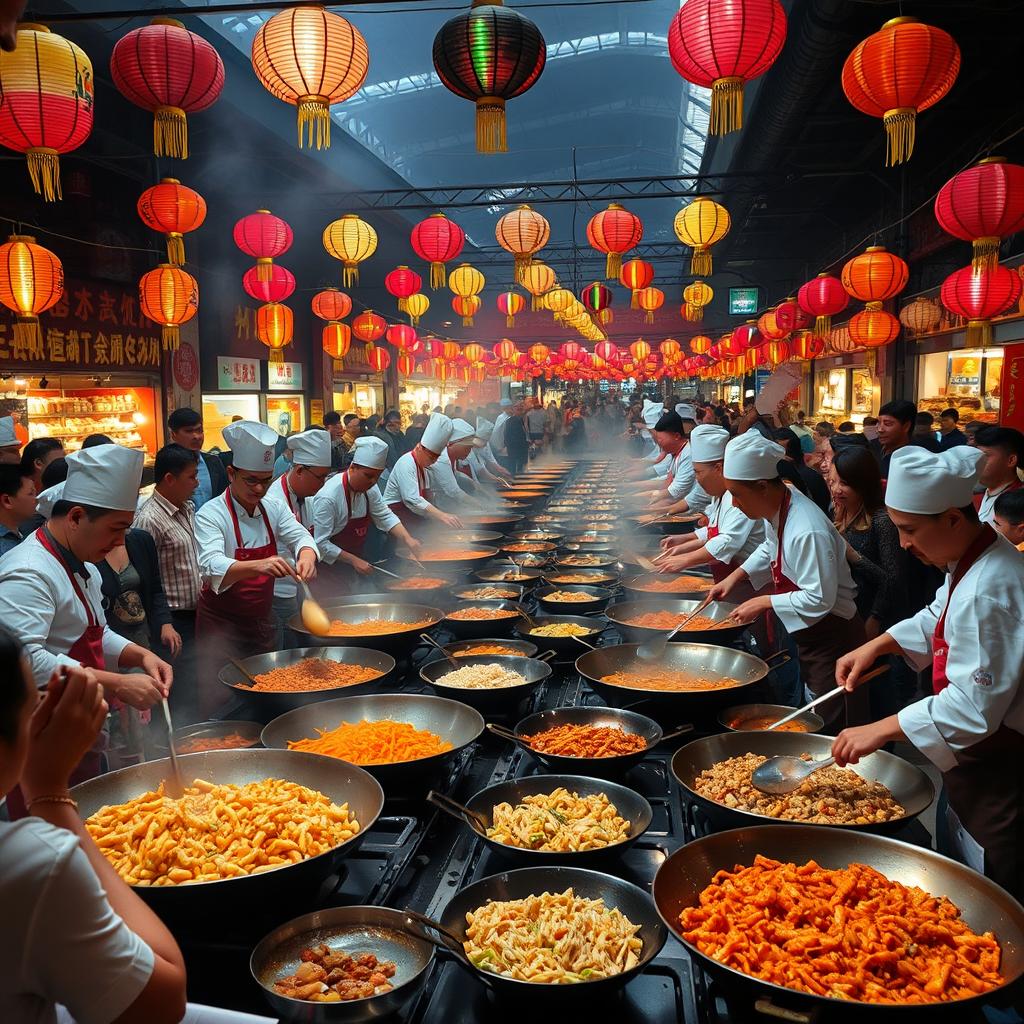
(74, 934)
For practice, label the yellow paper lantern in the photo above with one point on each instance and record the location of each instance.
(465, 280)
(537, 279)
(351, 240)
(522, 232)
(700, 225)
(416, 306)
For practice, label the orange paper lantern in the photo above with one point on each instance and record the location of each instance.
(522, 232)
(467, 306)
(275, 327)
(170, 297)
(875, 275)
(369, 326)
(172, 209)
(31, 281)
(873, 327)
(330, 304)
(337, 339)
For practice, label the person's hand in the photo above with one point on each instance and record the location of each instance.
(361, 566)
(138, 690)
(305, 565)
(63, 728)
(749, 610)
(171, 639)
(702, 521)
(159, 670)
(453, 521)
(852, 556)
(413, 544)
(850, 667)
(720, 591)
(853, 744)
(670, 565)
(672, 540)
(275, 566)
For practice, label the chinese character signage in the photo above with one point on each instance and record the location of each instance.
(235, 373)
(744, 301)
(1011, 391)
(94, 326)
(284, 376)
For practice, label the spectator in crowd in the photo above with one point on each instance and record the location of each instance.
(17, 504)
(536, 424)
(821, 454)
(94, 440)
(516, 442)
(896, 421)
(415, 432)
(870, 427)
(1004, 455)
(390, 432)
(10, 443)
(1009, 517)
(847, 427)
(949, 429)
(814, 483)
(37, 455)
(186, 429)
(52, 484)
(553, 424)
(924, 431)
(971, 429)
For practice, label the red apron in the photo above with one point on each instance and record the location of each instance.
(352, 536)
(412, 522)
(456, 468)
(240, 619)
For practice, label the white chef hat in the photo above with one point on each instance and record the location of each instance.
(252, 444)
(436, 433)
(707, 443)
(463, 432)
(926, 483)
(484, 429)
(371, 452)
(45, 500)
(105, 476)
(8, 437)
(751, 456)
(311, 448)
(685, 411)
(652, 412)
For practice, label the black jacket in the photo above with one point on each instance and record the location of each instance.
(218, 474)
(516, 441)
(396, 445)
(142, 554)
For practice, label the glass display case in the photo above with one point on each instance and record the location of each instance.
(968, 381)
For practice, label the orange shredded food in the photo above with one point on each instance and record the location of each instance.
(481, 649)
(380, 742)
(372, 627)
(419, 583)
(676, 585)
(446, 554)
(528, 546)
(754, 724)
(483, 613)
(232, 741)
(848, 933)
(665, 679)
(312, 674)
(669, 620)
(586, 741)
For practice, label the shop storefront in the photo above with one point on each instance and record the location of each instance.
(285, 412)
(844, 392)
(355, 386)
(968, 380)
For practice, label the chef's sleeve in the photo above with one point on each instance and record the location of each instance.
(758, 565)
(326, 523)
(213, 562)
(405, 477)
(383, 518)
(290, 533)
(733, 531)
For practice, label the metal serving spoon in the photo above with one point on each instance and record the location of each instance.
(652, 650)
(784, 774)
(176, 784)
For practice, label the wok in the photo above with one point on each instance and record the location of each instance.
(909, 785)
(587, 542)
(984, 905)
(630, 805)
(635, 585)
(515, 547)
(562, 644)
(546, 535)
(702, 660)
(472, 536)
(377, 930)
(270, 703)
(438, 593)
(472, 592)
(455, 723)
(632, 901)
(594, 577)
(614, 718)
(495, 572)
(210, 731)
(502, 522)
(471, 629)
(424, 617)
(603, 560)
(598, 598)
(735, 718)
(471, 556)
(497, 701)
(620, 613)
(342, 782)
(521, 647)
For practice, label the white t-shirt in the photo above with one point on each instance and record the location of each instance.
(60, 941)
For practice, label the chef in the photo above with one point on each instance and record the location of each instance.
(349, 503)
(443, 476)
(239, 536)
(482, 460)
(50, 587)
(679, 489)
(310, 465)
(970, 726)
(803, 558)
(408, 492)
(10, 446)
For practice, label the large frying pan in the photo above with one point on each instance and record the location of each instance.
(500, 700)
(984, 905)
(908, 784)
(636, 585)
(630, 805)
(455, 723)
(632, 901)
(704, 660)
(339, 780)
(393, 610)
(621, 613)
(474, 555)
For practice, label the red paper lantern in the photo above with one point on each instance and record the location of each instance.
(606, 350)
(823, 298)
(172, 209)
(434, 348)
(807, 345)
(720, 45)
(403, 282)
(31, 281)
(980, 297)
(170, 297)
(596, 296)
(505, 350)
(510, 303)
(983, 205)
(790, 317)
(337, 339)
(406, 365)
(275, 327)
(403, 337)
(614, 231)
(776, 352)
(650, 300)
(639, 350)
(379, 359)
(264, 237)
(369, 326)
(873, 327)
(634, 275)
(437, 240)
(474, 352)
(331, 304)
(570, 350)
(743, 337)
(165, 68)
(467, 306)
(903, 68)
(875, 275)
(277, 289)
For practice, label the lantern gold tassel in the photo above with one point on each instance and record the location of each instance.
(726, 106)
(613, 266)
(490, 125)
(700, 262)
(634, 301)
(649, 317)
(979, 333)
(403, 304)
(414, 320)
(350, 275)
(170, 132)
(437, 275)
(986, 254)
(900, 128)
(338, 365)
(275, 355)
(693, 313)
(510, 321)
(171, 336)
(44, 170)
(314, 122)
(176, 249)
(822, 325)
(522, 262)
(264, 268)
(467, 321)
(28, 337)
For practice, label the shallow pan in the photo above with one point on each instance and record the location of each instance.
(522, 648)
(536, 547)
(587, 542)
(471, 629)
(378, 930)
(438, 592)
(470, 556)
(629, 804)
(594, 577)
(501, 522)
(740, 718)
(599, 598)
(212, 732)
(500, 700)
(598, 717)
(620, 613)
(634, 585)
(495, 572)
(909, 785)
(456, 723)
(471, 592)
(603, 560)
(566, 645)
(472, 536)
(543, 536)
(393, 610)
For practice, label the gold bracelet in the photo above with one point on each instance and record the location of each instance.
(52, 799)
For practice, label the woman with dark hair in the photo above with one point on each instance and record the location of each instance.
(74, 933)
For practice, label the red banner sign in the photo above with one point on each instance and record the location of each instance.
(1011, 390)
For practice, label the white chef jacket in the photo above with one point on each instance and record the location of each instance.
(215, 534)
(331, 514)
(985, 662)
(446, 490)
(683, 482)
(498, 434)
(486, 456)
(738, 537)
(301, 510)
(477, 465)
(404, 486)
(39, 605)
(813, 557)
(987, 508)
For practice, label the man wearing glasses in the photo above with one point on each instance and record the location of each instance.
(245, 545)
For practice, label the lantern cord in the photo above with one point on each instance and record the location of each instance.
(490, 125)
(170, 132)
(900, 125)
(44, 170)
(726, 106)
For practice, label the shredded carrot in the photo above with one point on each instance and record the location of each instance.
(381, 742)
